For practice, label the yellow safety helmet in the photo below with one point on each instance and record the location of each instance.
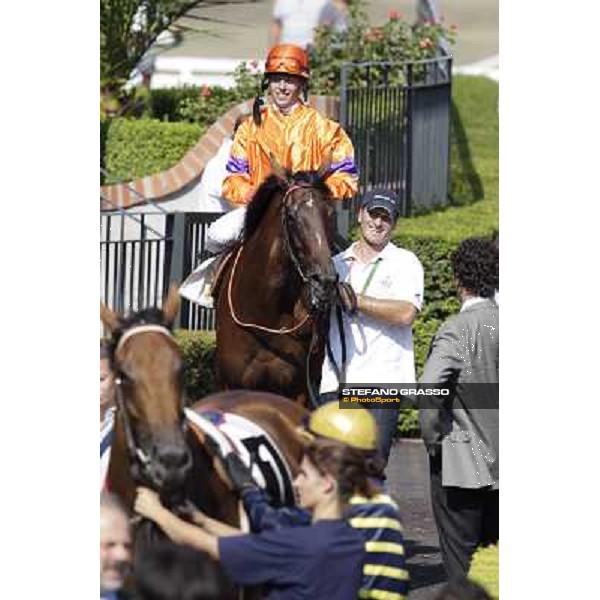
(355, 427)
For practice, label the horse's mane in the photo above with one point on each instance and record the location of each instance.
(268, 189)
(146, 316)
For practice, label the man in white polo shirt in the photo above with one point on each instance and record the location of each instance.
(388, 282)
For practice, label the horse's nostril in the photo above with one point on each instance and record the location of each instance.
(174, 458)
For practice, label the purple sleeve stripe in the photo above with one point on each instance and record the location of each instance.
(345, 166)
(237, 165)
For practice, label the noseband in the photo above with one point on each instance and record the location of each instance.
(138, 458)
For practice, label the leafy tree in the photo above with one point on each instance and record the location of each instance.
(127, 30)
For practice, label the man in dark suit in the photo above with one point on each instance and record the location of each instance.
(461, 430)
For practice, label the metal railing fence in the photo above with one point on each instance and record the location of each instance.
(398, 117)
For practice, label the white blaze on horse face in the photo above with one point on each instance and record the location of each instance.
(310, 201)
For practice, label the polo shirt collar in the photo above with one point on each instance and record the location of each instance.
(349, 252)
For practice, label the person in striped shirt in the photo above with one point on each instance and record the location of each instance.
(376, 517)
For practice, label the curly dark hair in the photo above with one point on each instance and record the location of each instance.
(475, 265)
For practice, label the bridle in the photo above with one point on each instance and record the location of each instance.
(138, 457)
(340, 371)
(295, 261)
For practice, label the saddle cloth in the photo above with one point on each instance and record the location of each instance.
(232, 433)
(253, 445)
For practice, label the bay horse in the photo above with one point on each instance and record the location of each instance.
(274, 294)
(155, 445)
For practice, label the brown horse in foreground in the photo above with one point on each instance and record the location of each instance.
(154, 445)
(276, 291)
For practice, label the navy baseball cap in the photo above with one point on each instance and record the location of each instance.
(382, 198)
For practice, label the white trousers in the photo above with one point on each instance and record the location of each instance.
(225, 230)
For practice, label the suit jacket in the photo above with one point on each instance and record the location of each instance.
(464, 425)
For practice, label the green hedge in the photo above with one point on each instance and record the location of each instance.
(473, 167)
(192, 104)
(136, 148)
(198, 349)
(485, 569)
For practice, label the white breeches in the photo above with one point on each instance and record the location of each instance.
(225, 230)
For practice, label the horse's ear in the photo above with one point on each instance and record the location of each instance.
(171, 305)
(277, 169)
(108, 317)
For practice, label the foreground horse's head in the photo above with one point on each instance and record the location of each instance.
(148, 366)
(305, 227)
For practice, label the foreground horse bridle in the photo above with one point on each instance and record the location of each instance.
(335, 300)
(138, 457)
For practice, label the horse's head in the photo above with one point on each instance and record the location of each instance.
(307, 226)
(148, 366)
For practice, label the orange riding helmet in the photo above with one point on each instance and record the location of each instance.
(287, 58)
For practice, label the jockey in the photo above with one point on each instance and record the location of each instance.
(296, 135)
(377, 518)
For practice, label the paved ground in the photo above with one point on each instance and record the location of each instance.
(239, 29)
(409, 485)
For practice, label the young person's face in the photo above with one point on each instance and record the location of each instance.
(285, 89)
(311, 487)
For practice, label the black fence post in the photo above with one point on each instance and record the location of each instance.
(176, 235)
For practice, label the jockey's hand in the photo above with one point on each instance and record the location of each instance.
(239, 474)
(347, 297)
(147, 503)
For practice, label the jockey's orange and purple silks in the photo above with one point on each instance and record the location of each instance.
(301, 141)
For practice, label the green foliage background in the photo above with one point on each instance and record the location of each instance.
(485, 569)
(139, 147)
(198, 349)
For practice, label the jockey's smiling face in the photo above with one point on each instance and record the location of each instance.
(285, 90)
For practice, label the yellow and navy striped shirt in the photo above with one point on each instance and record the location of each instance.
(385, 576)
